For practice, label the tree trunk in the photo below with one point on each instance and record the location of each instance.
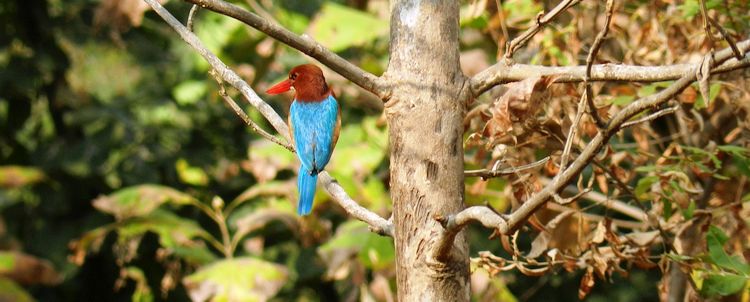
(425, 114)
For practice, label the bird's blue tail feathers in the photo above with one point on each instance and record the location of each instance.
(306, 183)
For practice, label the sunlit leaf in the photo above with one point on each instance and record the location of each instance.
(714, 90)
(102, 70)
(189, 92)
(644, 186)
(27, 269)
(190, 174)
(715, 240)
(338, 27)
(173, 232)
(139, 200)
(373, 251)
(10, 291)
(238, 279)
(18, 176)
(142, 292)
(690, 8)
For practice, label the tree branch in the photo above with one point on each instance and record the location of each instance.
(452, 224)
(503, 72)
(378, 224)
(302, 43)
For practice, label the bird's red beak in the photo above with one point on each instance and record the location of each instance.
(281, 87)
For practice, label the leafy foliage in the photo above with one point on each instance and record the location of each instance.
(121, 166)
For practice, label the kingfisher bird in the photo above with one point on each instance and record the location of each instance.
(314, 124)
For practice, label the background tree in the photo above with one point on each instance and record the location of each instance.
(601, 169)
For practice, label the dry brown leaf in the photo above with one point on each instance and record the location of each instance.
(599, 233)
(587, 283)
(121, 14)
(28, 270)
(642, 238)
(521, 101)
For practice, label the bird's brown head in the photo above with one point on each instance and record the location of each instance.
(308, 83)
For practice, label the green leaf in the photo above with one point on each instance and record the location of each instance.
(722, 285)
(688, 212)
(338, 27)
(644, 186)
(294, 22)
(738, 151)
(646, 169)
(139, 200)
(690, 8)
(189, 92)
(668, 208)
(237, 279)
(354, 155)
(10, 291)
(189, 174)
(19, 176)
(142, 292)
(715, 240)
(713, 92)
(374, 251)
(102, 70)
(622, 100)
(374, 191)
(175, 233)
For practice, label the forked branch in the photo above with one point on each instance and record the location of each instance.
(511, 222)
(302, 43)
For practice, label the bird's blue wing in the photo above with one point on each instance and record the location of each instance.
(314, 128)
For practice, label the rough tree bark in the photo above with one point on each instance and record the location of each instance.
(425, 112)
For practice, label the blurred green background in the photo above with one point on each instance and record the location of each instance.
(124, 176)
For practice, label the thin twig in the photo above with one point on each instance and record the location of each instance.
(248, 121)
(738, 54)
(652, 116)
(303, 43)
(489, 173)
(590, 62)
(229, 101)
(379, 224)
(572, 133)
(191, 17)
(541, 20)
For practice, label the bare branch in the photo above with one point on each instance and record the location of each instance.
(737, 53)
(302, 43)
(377, 223)
(503, 72)
(605, 201)
(489, 173)
(223, 70)
(572, 133)
(452, 224)
(596, 218)
(248, 121)
(541, 20)
(652, 116)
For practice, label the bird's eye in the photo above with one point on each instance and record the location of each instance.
(293, 76)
